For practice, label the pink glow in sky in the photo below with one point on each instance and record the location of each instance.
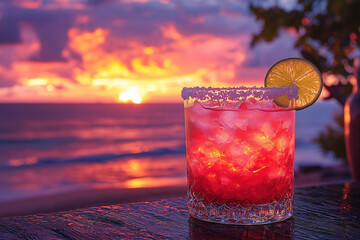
(139, 51)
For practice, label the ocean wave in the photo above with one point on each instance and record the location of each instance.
(67, 140)
(59, 126)
(94, 158)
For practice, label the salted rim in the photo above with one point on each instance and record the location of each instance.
(238, 93)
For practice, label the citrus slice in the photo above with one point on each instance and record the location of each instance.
(298, 72)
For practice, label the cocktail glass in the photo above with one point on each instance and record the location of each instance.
(240, 154)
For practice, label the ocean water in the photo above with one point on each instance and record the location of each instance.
(52, 148)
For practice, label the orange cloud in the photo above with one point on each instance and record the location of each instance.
(156, 47)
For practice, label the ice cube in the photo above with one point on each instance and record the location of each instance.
(252, 162)
(248, 104)
(197, 108)
(263, 141)
(207, 154)
(242, 123)
(199, 116)
(267, 129)
(267, 105)
(239, 153)
(228, 118)
(282, 143)
(239, 149)
(286, 125)
(234, 119)
(257, 119)
(236, 150)
(220, 135)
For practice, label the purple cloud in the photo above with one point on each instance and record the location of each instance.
(128, 22)
(141, 22)
(51, 27)
(9, 27)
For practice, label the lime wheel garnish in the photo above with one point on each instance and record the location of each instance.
(291, 72)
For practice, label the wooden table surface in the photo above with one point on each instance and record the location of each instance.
(326, 212)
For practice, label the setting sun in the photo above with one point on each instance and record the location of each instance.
(132, 96)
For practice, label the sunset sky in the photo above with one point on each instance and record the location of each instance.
(119, 51)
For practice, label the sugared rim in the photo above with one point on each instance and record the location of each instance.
(237, 93)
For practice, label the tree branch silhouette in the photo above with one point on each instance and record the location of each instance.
(327, 35)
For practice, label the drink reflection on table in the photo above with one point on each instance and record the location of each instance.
(206, 230)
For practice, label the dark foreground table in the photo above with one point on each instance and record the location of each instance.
(327, 212)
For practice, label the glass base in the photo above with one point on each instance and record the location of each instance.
(252, 214)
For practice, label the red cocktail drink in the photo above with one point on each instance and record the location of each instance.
(240, 155)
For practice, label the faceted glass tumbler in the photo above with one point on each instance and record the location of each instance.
(240, 160)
